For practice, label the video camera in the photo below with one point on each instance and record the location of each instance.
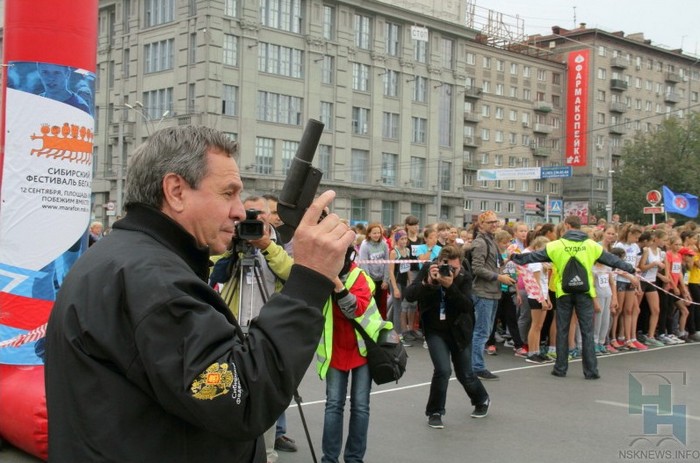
(251, 228)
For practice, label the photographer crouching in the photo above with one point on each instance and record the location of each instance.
(443, 292)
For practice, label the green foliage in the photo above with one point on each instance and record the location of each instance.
(669, 156)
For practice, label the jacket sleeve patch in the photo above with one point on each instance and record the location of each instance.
(216, 380)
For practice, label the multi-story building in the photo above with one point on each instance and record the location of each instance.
(412, 104)
(634, 85)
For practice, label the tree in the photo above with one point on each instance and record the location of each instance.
(668, 155)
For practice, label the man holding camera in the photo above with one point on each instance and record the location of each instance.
(443, 292)
(256, 267)
(144, 360)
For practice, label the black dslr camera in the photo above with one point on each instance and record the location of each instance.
(445, 270)
(251, 228)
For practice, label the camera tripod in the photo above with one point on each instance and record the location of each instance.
(248, 266)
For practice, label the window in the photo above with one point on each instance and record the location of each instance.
(192, 50)
(360, 120)
(191, 98)
(362, 31)
(600, 95)
(327, 115)
(289, 149)
(282, 109)
(485, 134)
(389, 209)
(126, 60)
(485, 110)
(539, 186)
(499, 113)
(264, 155)
(158, 56)
(602, 73)
(556, 78)
(513, 92)
(358, 210)
(511, 185)
(420, 89)
(281, 14)
(445, 173)
(323, 160)
(419, 128)
(500, 65)
(499, 136)
(447, 55)
(498, 160)
(525, 185)
(527, 71)
(445, 121)
(229, 100)
(542, 75)
(513, 115)
(417, 172)
(527, 94)
(420, 51)
(600, 184)
(283, 61)
(231, 8)
(391, 83)
(484, 159)
(230, 49)
(393, 34)
(360, 77)
(158, 12)
(390, 125)
(468, 204)
(498, 206)
(602, 51)
(513, 69)
(471, 58)
(486, 86)
(328, 22)
(418, 210)
(327, 70)
(359, 166)
(157, 102)
(500, 89)
(389, 168)
(483, 205)
(486, 62)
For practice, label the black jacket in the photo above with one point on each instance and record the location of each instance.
(459, 310)
(145, 362)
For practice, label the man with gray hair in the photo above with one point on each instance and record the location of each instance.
(144, 360)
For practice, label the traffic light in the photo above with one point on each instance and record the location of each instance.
(541, 207)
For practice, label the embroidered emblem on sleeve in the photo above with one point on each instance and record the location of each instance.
(216, 380)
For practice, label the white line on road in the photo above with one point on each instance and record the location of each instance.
(624, 405)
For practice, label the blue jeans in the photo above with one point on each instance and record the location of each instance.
(583, 304)
(484, 317)
(442, 346)
(281, 428)
(336, 389)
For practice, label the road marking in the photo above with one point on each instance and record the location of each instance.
(624, 405)
(505, 370)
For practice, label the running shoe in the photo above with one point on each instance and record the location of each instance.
(611, 349)
(521, 352)
(491, 350)
(537, 358)
(639, 345)
(651, 342)
(665, 340)
(435, 421)
(509, 343)
(675, 339)
(552, 355)
(617, 343)
(574, 354)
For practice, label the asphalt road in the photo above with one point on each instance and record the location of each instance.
(534, 417)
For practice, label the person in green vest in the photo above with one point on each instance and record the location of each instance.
(574, 243)
(342, 352)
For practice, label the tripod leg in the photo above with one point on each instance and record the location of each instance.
(297, 399)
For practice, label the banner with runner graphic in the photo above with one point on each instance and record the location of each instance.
(46, 163)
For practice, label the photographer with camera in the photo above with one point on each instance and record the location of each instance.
(443, 292)
(255, 267)
(144, 360)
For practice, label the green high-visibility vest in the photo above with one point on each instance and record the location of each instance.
(371, 320)
(587, 252)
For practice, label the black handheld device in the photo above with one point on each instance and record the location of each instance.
(301, 183)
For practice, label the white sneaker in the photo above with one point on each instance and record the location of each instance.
(509, 343)
(425, 344)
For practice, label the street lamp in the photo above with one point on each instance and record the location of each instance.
(138, 107)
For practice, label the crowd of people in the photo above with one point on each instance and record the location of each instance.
(188, 361)
(652, 303)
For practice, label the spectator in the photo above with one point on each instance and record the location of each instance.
(486, 263)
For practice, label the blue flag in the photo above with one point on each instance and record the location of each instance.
(681, 203)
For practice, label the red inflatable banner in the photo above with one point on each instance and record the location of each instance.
(48, 83)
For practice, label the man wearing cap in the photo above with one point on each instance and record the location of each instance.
(486, 289)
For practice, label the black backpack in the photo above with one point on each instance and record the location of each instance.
(467, 260)
(574, 278)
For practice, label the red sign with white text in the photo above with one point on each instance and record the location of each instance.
(577, 108)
